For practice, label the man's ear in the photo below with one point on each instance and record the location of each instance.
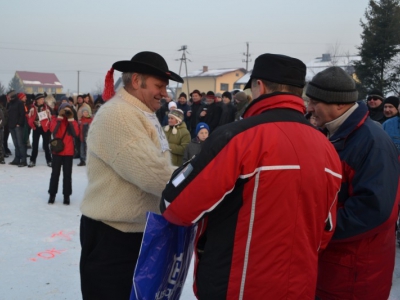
(262, 88)
(135, 81)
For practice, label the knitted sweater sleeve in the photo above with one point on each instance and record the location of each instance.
(127, 142)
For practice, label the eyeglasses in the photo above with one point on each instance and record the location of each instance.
(374, 98)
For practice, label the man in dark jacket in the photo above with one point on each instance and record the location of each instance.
(16, 123)
(261, 225)
(192, 114)
(375, 106)
(210, 112)
(359, 261)
(228, 109)
(183, 106)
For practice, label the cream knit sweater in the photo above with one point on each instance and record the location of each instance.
(125, 166)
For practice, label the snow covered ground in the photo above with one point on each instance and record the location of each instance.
(40, 249)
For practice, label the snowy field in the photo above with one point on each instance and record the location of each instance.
(40, 249)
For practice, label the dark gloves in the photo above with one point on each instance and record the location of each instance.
(68, 113)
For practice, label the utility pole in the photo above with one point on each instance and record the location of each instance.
(184, 58)
(78, 81)
(247, 54)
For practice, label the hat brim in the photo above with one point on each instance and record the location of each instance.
(143, 68)
(248, 84)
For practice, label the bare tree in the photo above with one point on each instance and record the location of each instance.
(334, 51)
(99, 87)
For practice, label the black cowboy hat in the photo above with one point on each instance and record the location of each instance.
(147, 62)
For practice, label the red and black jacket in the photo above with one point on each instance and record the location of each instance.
(263, 190)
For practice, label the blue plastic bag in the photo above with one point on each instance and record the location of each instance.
(164, 260)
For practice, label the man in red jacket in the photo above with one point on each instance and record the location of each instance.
(263, 191)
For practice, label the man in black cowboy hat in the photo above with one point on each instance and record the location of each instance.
(128, 163)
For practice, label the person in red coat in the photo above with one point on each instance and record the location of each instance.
(66, 128)
(39, 117)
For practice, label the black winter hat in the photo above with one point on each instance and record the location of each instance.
(375, 93)
(392, 100)
(227, 95)
(279, 69)
(182, 95)
(333, 85)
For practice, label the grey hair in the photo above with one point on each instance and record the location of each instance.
(127, 79)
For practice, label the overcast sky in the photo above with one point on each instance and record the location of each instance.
(63, 37)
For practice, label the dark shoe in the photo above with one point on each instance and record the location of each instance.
(52, 198)
(2, 162)
(14, 163)
(6, 155)
(28, 147)
(31, 164)
(82, 163)
(49, 164)
(66, 200)
(21, 165)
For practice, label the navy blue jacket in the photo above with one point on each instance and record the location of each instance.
(370, 176)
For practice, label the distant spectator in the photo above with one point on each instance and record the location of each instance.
(242, 100)
(195, 145)
(183, 106)
(171, 106)
(66, 128)
(39, 118)
(228, 109)
(375, 106)
(391, 107)
(177, 135)
(16, 123)
(210, 113)
(163, 110)
(84, 124)
(192, 118)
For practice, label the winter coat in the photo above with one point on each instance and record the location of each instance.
(84, 125)
(185, 108)
(33, 117)
(177, 142)
(58, 128)
(16, 113)
(392, 128)
(228, 113)
(265, 207)
(4, 118)
(193, 119)
(240, 108)
(359, 261)
(212, 117)
(192, 149)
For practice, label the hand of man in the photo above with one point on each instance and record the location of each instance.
(203, 113)
(189, 113)
(68, 112)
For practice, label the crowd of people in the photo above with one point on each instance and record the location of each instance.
(292, 202)
(27, 117)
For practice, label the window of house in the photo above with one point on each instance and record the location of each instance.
(35, 89)
(224, 87)
(236, 86)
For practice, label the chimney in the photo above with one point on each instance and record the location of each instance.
(205, 69)
(326, 57)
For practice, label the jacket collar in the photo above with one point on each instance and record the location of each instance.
(272, 101)
(352, 123)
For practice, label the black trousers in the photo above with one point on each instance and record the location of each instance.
(66, 163)
(108, 260)
(36, 134)
(5, 140)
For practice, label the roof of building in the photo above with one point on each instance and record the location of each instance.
(245, 78)
(214, 72)
(319, 64)
(39, 79)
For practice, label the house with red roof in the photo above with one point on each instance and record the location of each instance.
(35, 82)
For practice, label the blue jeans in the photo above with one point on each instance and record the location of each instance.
(83, 151)
(17, 135)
